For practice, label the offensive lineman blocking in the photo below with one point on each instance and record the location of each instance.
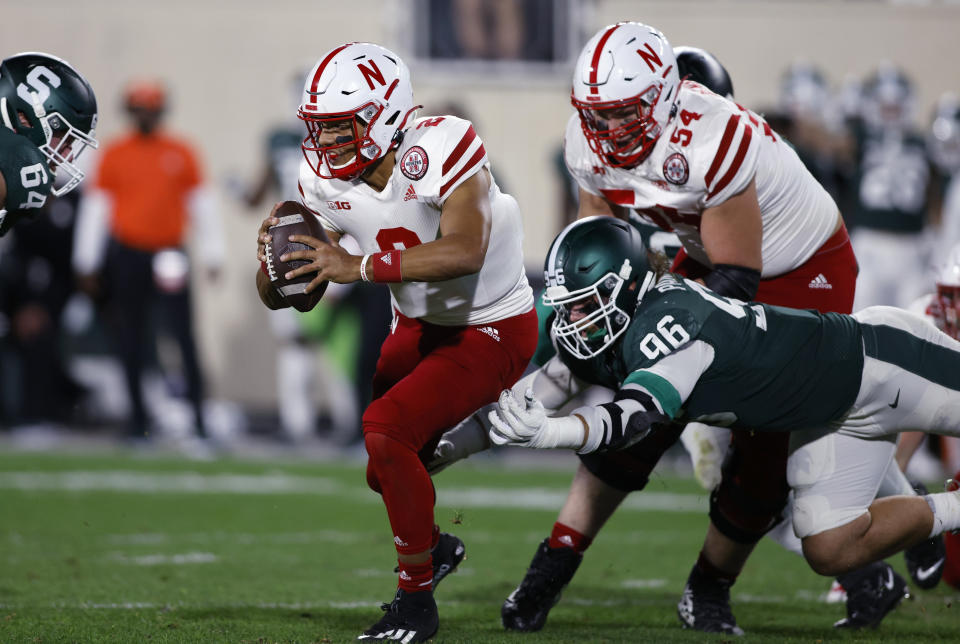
(419, 199)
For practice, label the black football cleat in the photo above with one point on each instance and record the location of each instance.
(527, 607)
(878, 591)
(926, 560)
(409, 618)
(447, 555)
(705, 605)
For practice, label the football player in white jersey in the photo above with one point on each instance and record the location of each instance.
(418, 197)
(755, 225)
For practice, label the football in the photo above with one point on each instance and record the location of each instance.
(295, 219)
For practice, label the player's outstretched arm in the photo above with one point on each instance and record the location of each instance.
(552, 384)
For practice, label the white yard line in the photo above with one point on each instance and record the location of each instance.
(195, 483)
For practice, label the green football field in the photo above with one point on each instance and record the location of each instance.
(114, 546)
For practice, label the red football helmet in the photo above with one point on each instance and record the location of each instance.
(625, 86)
(356, 101)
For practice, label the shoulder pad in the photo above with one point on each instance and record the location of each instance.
(439, 153)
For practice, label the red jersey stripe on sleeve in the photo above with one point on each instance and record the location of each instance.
(737, 162)
(725, 142)
(474, 162)
(459, 151)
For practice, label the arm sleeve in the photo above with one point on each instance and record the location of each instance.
(201, 204)
(734, 281)
(90, 236)
(553, 385)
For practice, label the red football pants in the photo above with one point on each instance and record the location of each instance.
(429, 378)
(754, 487)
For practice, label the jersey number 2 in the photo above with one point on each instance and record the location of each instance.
(397, 239)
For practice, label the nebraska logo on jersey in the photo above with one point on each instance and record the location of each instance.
(675, 169)
(414, 163)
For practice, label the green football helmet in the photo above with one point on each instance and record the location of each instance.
(596, 272)
(46, 100)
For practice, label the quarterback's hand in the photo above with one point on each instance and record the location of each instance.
(264, 237)
(517, 422)
(327, 259)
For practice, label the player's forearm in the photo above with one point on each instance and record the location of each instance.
(269, 295)
(446, 258)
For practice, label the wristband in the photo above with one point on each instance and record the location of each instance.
(386, 266)
(363, 268)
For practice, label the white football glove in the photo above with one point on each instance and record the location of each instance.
(468, 437)
(526, 424)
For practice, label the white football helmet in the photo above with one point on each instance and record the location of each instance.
(363, 86)
(625, 87)
(946, 306)
(888, 99)
(943, 139)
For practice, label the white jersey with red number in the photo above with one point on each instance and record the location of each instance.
(708, 153)
(436, 156)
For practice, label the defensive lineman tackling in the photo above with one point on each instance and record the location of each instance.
(846, 384)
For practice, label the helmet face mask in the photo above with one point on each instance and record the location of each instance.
(44, 99)
(596, 273)
(622, 67)
(624, 132)
(350, 150)
(588, 320)
(356, 101)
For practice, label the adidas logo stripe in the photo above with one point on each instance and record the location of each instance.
(411, 193)
(820, 282)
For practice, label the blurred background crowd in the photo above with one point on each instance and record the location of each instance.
(128, 308)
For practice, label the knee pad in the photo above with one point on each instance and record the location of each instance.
(378, 447)
(628, 470)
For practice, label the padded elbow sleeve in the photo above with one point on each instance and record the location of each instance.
(733, 281)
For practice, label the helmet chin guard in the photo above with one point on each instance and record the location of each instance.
(356, 101)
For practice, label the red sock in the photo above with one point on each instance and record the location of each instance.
(416, 578)
(563, 536)
(710, 570)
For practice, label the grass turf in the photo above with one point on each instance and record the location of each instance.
(112, 547)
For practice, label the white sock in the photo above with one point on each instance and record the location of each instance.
(946, 511)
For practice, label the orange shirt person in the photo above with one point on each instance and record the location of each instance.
(132, 229)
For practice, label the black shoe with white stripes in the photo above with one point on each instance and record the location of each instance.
(872, 592)
(925, 561)
(705, 605)
(447, 555)
(409, 618)
(527, 607)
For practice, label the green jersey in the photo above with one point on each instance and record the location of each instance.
(27, 177)
(703, 357)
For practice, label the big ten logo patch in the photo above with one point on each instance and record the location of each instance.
(414, 163)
